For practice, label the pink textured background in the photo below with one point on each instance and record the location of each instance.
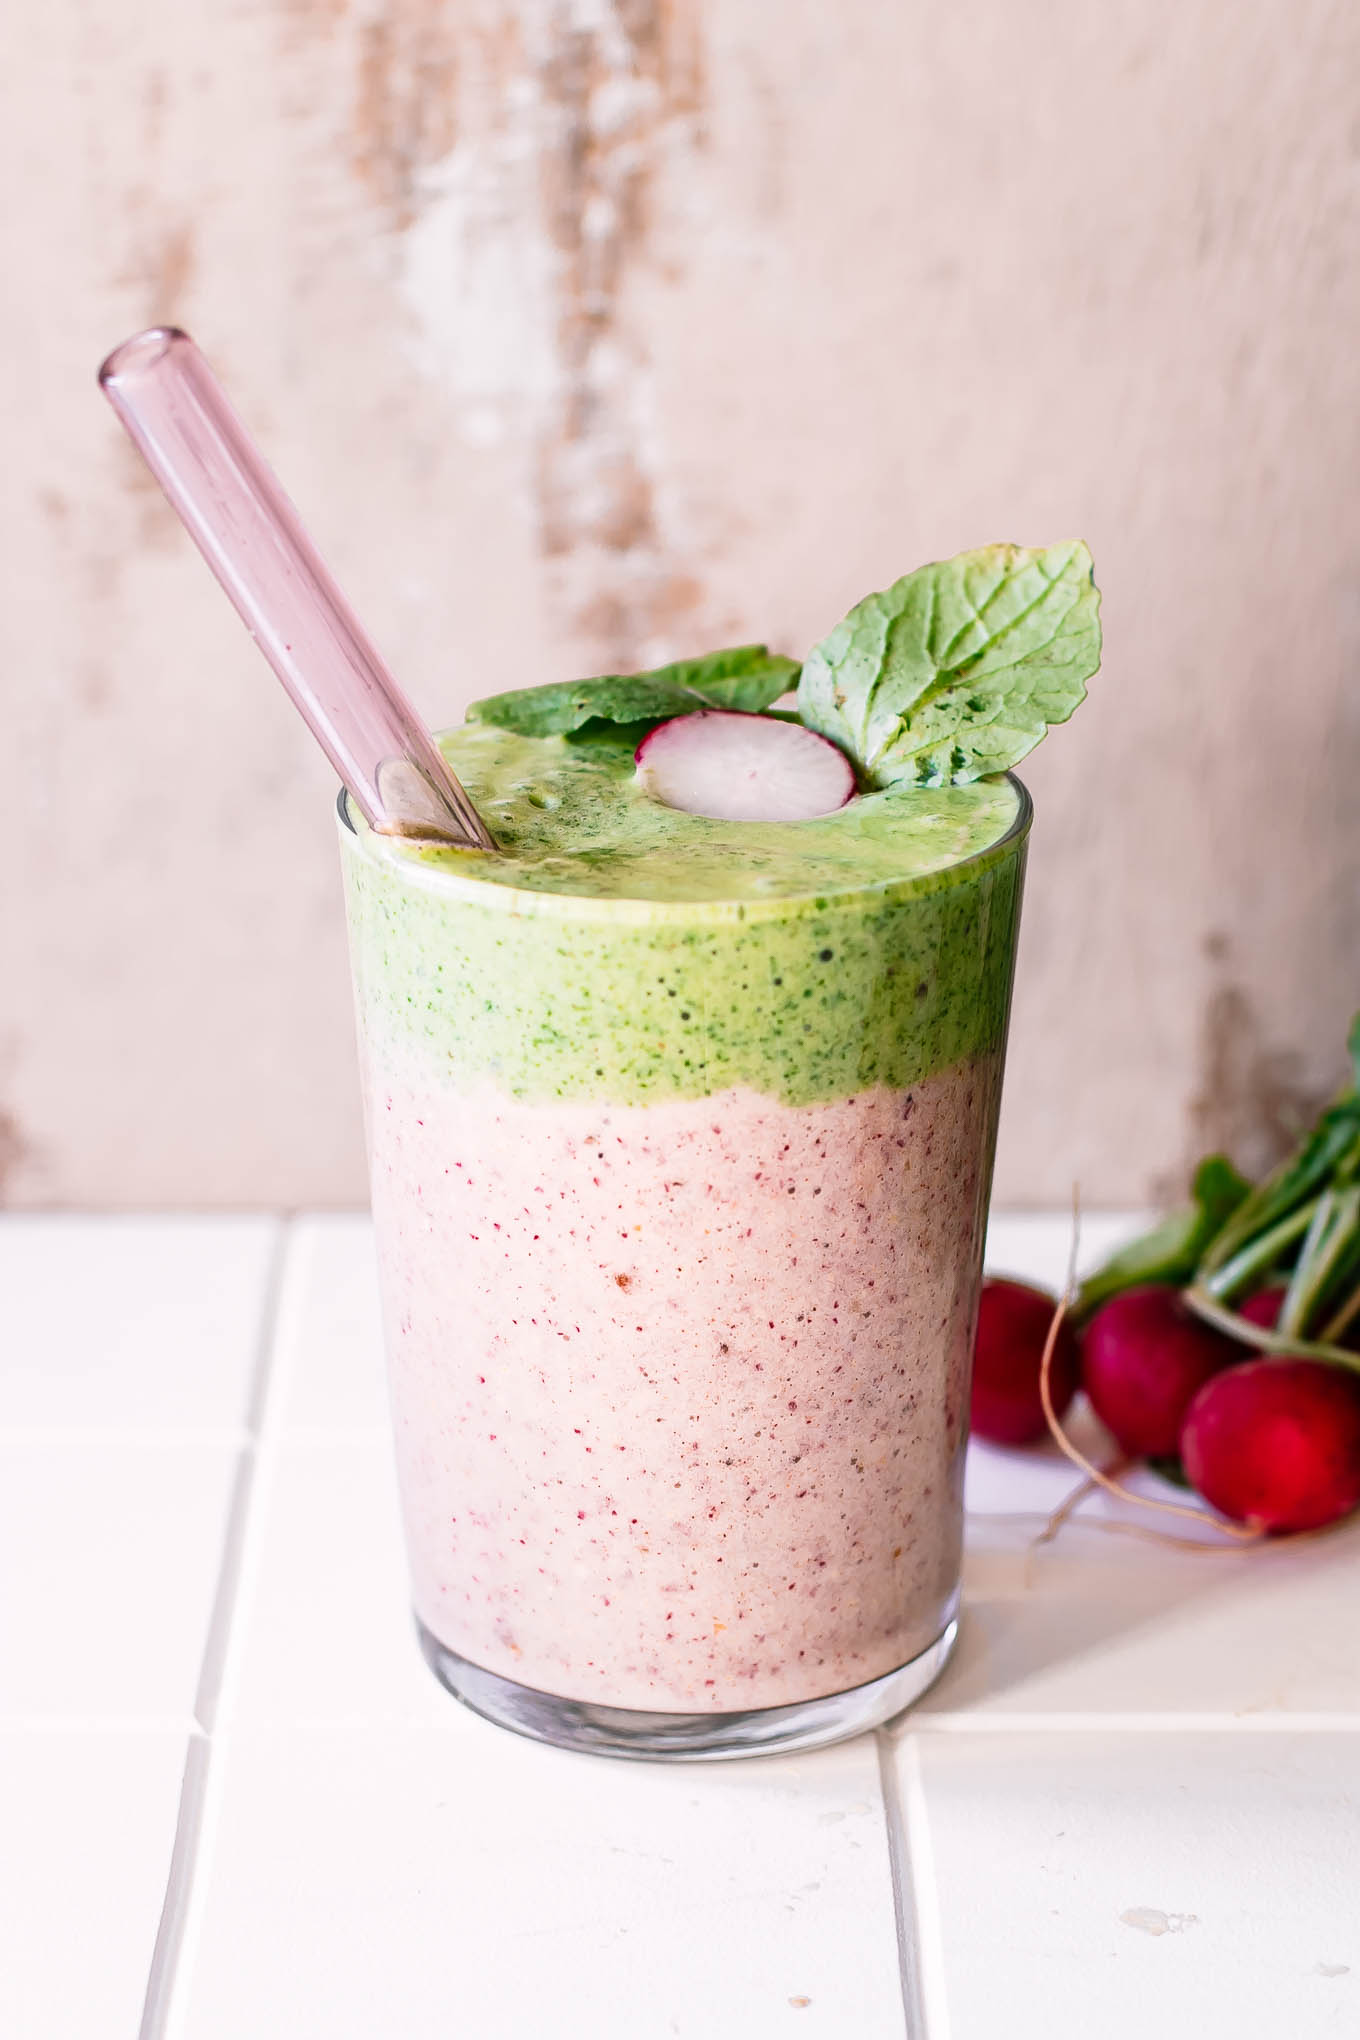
(591, 331)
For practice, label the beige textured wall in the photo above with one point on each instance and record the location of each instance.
(591, 331)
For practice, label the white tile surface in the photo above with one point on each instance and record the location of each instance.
(1096, 1625)
(336, 1377)
(455, 1880)
(1002, 1480)
(109, 1559)
(329, 1634)
(131, 1321)
(1198, 1887)
(88, 1827)
(1129, 1735)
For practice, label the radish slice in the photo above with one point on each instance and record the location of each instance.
(743, 768)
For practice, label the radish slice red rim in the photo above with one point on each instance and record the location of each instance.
(743, 768)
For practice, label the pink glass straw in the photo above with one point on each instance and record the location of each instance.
(249, 533)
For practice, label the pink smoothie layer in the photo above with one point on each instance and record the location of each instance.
(680, 1390)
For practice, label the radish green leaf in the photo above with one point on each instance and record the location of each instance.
(959, 669)
(745, 677)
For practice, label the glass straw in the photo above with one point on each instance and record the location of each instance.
(245, 527)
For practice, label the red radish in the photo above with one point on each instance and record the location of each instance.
(1276, 1443)
(1013, 1322)
(743, 768)
(1144, 1358)
(1264, 1307)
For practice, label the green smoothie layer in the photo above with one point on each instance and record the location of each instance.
(622, 951)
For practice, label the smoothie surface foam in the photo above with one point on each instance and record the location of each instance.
(571, 818)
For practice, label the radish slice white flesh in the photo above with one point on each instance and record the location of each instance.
(743, 768)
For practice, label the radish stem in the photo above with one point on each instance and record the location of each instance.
(1329, 1154)
(1267, 1342)
(1298, 1296)
(1344, 1319)
(1235, 1275)
(1330, 1238)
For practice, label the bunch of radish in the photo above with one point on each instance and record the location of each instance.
(1223, 1348)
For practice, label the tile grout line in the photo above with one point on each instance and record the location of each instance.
(1303, 1724)
(904, 1912)
(178, 1884)
(924, 1890)
(1154, 1722)
(184, 1884)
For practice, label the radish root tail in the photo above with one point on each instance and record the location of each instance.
(1080, 1493)
(1095, 1477)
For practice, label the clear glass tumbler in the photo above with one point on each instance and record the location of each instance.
(680, 1214)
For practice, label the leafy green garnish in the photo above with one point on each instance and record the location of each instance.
(598, 735)
(1172, 1251)
(958, 669)
(746, 677)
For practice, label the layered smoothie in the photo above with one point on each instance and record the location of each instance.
(681, 1135)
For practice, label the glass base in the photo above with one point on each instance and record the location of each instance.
(702, 1738)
